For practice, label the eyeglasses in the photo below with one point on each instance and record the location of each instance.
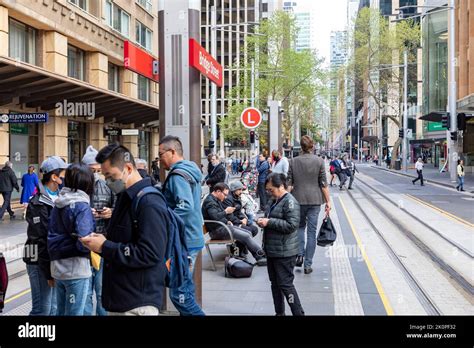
(162, 153)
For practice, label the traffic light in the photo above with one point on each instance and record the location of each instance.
(400, 133)
(462, 121)
(211, 144)
(445, 121)
(252, 137)
(454, 136)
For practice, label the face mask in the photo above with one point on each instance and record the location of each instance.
(116, 185)
(97, 176)
(61, 185)
(277, 158)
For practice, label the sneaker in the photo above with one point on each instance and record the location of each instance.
(350, 188)
(308, 270)
(12, 217)
(462, 190)
(262, 261)
(457, 188)
(413, 182)
(299, 260)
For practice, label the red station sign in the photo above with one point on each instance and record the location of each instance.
(251, 118)
(139, 61)
(200, 59)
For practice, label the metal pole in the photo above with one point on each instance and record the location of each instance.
(252, 96)
(213, 85)
(380, 132)
(452, 91)
(405, 111)
(359, 151)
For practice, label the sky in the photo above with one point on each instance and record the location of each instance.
(329, 15)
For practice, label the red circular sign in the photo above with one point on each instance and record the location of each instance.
(251, 118)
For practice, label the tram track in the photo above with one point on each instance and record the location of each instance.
(428, 303)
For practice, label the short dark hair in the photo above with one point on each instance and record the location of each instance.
(172, 143)
(117, 154)
(220, 186)
(79, 177)
(307, 144)
(277, 180)
(47, 177)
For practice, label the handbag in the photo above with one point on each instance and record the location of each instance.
(327, 233)
(237, 268)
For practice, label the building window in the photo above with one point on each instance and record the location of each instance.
(146, 4)
(76, 137)
(114, 78)
(143, 36)
(143, 88)
(75, 62)
(80, 3)
(144, 145)
(22, 42)
(117, 18)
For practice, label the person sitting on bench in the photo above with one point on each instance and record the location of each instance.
(213, 209)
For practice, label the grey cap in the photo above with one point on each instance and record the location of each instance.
(236, 185)
(52, 163)
(89, 157)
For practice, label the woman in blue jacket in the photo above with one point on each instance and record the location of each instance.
(29, 182)
(71, 219)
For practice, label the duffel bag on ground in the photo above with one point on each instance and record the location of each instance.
(237, 268)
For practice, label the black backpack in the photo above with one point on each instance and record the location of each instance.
(236, 267)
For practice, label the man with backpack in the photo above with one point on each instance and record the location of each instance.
(182, 190)
(134, 252)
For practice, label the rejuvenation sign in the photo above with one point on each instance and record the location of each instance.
(200, 59)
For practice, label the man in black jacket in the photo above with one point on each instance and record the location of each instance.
(217, 174)
(134, 270)
(238, 217)
(8, 181)
(213, 209)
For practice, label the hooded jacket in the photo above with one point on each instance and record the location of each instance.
(8, 180)
(185, 199)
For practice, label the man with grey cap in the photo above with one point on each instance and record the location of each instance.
(36, 255)
(238, 217)
(102, 202)
(8, 182)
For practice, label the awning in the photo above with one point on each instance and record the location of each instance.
(39, 88)
(370, 138)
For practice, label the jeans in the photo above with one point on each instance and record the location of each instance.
(241, 235)
(461, 182)
(183, 297)
(6, 204)
(95, 284)
(280, 272)
(309, 222)
(43, 297)
(342, 178)
(420, 176)
(262, 194)
(351, 180)
(71, 296)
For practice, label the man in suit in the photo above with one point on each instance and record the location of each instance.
(308, 184)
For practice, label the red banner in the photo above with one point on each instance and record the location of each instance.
(200, 59)
(139, 61)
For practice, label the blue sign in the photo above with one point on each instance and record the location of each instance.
(24, 118)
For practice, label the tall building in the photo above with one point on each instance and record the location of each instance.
(239, 19)
(304, 38)
(66, 58)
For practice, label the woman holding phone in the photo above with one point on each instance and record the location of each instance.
(280, 243)
(71, 219)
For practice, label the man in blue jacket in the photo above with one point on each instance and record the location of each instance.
(134, 269)
(262, 166)
(182, 190)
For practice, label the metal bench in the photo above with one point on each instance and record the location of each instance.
(210, 241)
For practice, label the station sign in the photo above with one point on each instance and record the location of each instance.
(251, 118)
(129, 131)
(24, 118)
(200, 59)
(139, 61)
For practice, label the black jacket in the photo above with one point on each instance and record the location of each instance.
(8, 180)
(37, 216)
(144, 174)
(213, 209)
(238, 215)
(216, 175)
(134, 268)
(280, 237)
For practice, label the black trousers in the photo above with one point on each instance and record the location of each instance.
(6, 204)
(420, 176)
(262, 194)
(280, 272)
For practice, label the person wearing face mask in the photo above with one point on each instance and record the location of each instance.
(217, 173)
(102, 202)
(133, 281)
(36, 254)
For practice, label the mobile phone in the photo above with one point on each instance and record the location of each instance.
(100, 210)
(75, 235)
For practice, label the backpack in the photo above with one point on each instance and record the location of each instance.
(236, 267)
(176, 253)
(182, 173)
(3, 281)
(337, 166)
